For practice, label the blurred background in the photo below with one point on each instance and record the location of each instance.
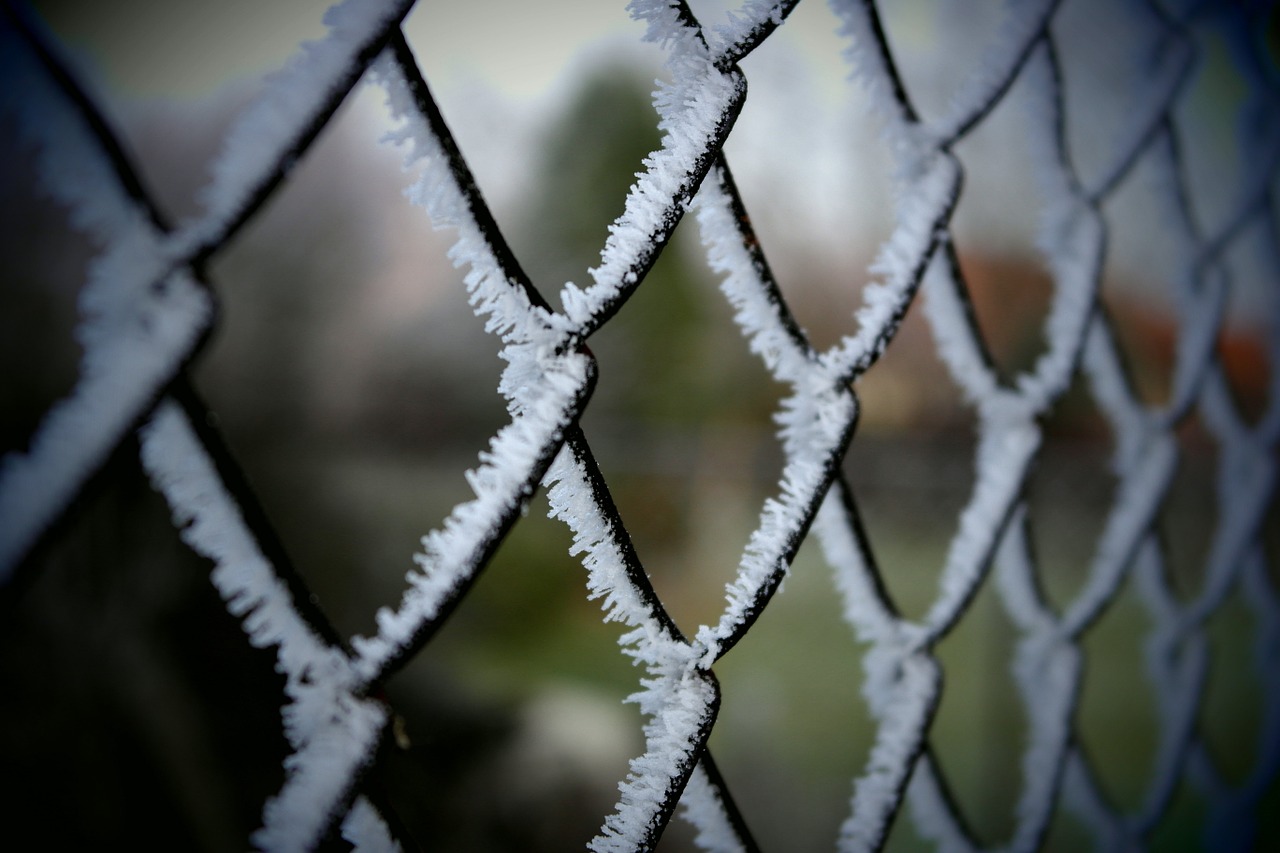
(354, 386)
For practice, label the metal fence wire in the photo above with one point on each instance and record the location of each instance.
(147, 310)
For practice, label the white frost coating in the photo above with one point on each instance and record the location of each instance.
(318, 775)
(863, 608)
(449, 553)
(1268, 428)
(678, 704)
(755, 312)
(1177, 665)
(118, 379)
(210, 522)
(571, 500)
(133, 335)
(868, 62)
(925, 200)
(1247, 480)
(931, 811)
(1196, 288)
(332, 732)
(739, 24)
(901, 689)
(69, 164)
(1179, 683)
(266, 130)
(1004, 452)
(1048, 672)
(1138, 499)
(1159, 600)
(677, 698)
(1261, 596)
(570, 497)
(366, 831)
(691, 110)
(1148, 108)
(701, 806)
(1023, 23)
(1016, 578)
(813, 423)
(505, 307)
(1071, 238)
(1200, 317)
(1082, 797)
(956, 341)
(541, 389)
(1132, 424)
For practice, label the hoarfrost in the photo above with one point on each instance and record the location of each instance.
(703, 808)
(277, 121)
(331, 731)
(694, 110)
(137, 322)
(680, 706)
(142, 313)
(364, 828)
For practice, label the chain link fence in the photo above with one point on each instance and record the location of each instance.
(147, 310)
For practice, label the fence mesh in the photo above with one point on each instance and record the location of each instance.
(147, 312)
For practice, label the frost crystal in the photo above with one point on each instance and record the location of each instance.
(143, 314)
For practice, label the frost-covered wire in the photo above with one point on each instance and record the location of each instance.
(144, 314)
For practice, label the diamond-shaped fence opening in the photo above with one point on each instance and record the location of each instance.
(152, 606)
